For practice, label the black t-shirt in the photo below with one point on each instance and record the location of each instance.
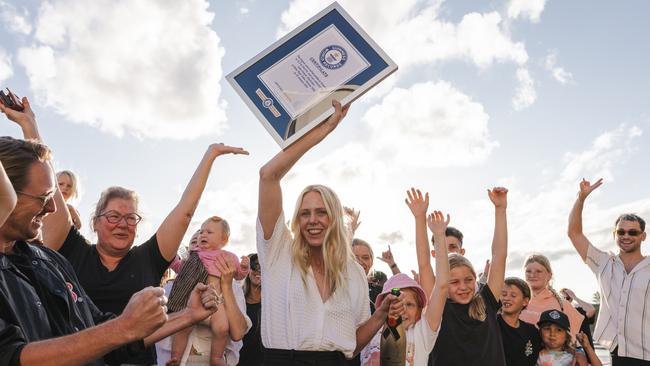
(252, 351)
(521, 345)
(142, 266)
(463, 341)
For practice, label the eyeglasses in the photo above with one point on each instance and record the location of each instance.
(45, 199)
(115, 217)
(631, 232)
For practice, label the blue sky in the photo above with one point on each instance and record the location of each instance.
(529, 94)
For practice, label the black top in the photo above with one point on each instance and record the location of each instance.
(251, 352)
(41, 298)
(141, 267)
(373, 291)
(463, 341)
(521, 345)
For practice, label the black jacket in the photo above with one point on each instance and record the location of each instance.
(41, 298)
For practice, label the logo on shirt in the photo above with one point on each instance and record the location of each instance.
(529, 349)
(72, 293)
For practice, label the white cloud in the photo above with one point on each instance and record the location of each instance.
(411, 32)
(150, 68)
(559, 73)
(533, 212)
(525, 94)
(244, 10)
(6, 70)
(13, 20)
(531, 9)
(430, 124)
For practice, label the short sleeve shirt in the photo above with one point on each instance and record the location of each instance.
(293, 313)
(143, 266)
(463, 341)
(624, 315)
(521, 345)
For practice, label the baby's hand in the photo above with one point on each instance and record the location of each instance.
(245, 263)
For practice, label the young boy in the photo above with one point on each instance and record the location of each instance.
(521, 340)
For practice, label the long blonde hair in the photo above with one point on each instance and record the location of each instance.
(477, 308)
(542, 260)
(336, 247)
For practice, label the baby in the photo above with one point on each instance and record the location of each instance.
(200, 267)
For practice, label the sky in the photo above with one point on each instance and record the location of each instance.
(533, 95)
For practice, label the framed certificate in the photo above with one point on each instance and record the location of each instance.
(290, 85)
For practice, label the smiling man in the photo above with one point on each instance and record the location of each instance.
(624, 282)
(46, 317)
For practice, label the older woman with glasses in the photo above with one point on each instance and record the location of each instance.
(114, 269)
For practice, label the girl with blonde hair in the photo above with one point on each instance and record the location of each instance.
(315, 304)
(469, 333)
(69, 187)
(543, 297)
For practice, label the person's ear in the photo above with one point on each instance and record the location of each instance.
(462, 251)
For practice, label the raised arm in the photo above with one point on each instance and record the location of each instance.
(57, 224)
(270, 193)
(589, 309)
(437, 297)
(8, 196)
(387, 257)
(418, 204)
(496, 274)
(26, 119)
(173, 228)
(578, 238)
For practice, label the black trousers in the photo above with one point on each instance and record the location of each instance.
(284, 357)
(627, 361)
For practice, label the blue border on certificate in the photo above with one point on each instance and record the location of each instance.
(249, 82)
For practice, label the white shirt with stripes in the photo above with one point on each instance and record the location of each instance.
(293, 313)
(624, 315)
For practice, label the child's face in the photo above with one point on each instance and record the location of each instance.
(194, 240)
(553, 337)
(412, 311)
(462, 285)
(211, 235)
(512, 300)
(537, 276)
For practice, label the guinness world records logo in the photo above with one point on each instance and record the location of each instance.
(333, 57)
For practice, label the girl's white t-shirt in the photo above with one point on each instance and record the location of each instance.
(293, 313)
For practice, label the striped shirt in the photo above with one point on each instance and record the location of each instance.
(624, 316)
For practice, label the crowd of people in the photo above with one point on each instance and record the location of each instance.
(309, 296)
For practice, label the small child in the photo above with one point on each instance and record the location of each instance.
(557, 345)
(200, 267)
(521, 340)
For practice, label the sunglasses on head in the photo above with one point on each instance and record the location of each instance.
(631, 232)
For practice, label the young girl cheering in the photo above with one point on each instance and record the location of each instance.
(469, 334)
(421, 318)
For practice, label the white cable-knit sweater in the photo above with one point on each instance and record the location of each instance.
(294, 316)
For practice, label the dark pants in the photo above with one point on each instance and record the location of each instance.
(627, 361)
(283, 357)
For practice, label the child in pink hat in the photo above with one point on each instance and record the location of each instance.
(421, 312)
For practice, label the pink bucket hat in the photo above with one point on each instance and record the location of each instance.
(402, 281)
